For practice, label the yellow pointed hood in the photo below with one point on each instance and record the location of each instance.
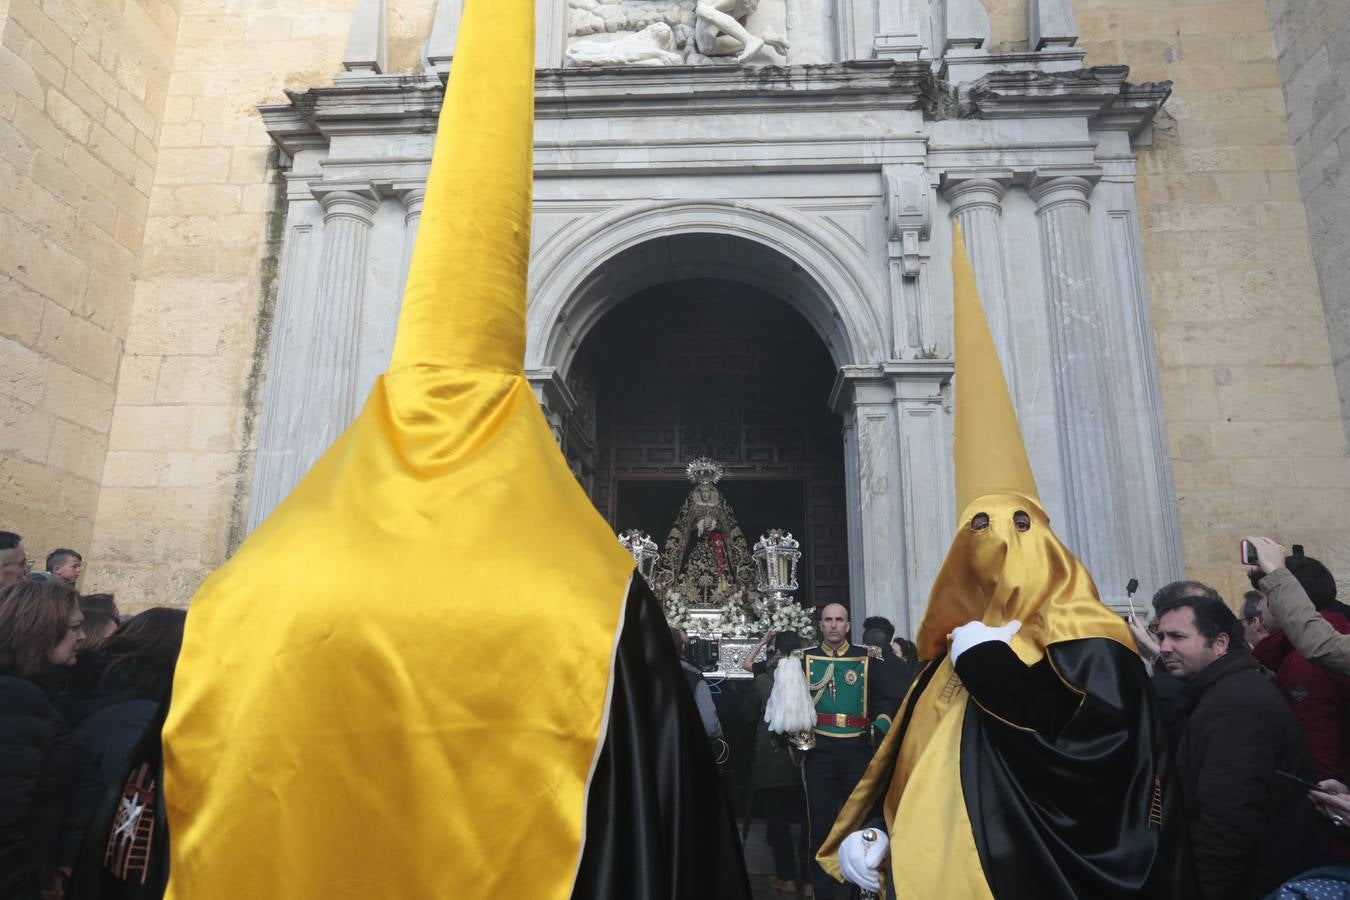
(398, 686)
(1002, 571)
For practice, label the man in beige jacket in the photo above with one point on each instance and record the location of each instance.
(1289, 608)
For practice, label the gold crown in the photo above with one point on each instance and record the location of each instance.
(705, 471)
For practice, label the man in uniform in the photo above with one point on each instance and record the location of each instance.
(854, 702)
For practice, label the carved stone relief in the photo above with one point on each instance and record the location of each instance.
(676, 32)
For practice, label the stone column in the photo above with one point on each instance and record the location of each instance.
(276, 468)
(1149, 507)
(924, 418)
(1087, 431)
(331, 377)
(977, 203)
(412, 198)
(866, 399)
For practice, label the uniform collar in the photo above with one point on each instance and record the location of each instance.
(841, 651)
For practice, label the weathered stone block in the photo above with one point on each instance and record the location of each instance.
(78, 343)
(37, 126)
(194, 166)
(25, 431)
(90, 170)
(38, 263)
(112, 151)
(23, 372)
(211, 380)
(78, 451)
(89, 100)
(20, 311)
(128, 468)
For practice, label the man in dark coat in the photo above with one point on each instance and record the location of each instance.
(1250, 829)
(879, 632)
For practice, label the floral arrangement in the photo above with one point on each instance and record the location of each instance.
(733, 621)
(789, 616)
(676, 609)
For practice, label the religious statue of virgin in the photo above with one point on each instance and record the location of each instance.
(705, 558)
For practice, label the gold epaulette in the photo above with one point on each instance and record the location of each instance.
(874, 652)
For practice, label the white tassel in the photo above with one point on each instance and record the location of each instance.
(790, 710)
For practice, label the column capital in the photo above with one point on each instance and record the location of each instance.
(412, 196)
(919, 380)
(911, 380)
(347, 200)
(1053, 186)
(554, 397)
(856, 386)
(976, 187)
(550, 389)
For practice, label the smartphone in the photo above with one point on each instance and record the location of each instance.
(1247, 552)
(1302, 782)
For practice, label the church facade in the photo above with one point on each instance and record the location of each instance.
(741, 249)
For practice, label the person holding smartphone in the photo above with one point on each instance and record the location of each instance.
(1293, 611)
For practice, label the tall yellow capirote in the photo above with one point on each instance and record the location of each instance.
(396, 687)
(994, 574)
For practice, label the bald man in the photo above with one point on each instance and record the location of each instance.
(855, 701)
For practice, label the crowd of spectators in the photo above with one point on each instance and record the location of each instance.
(1256, 706)
(83, 693)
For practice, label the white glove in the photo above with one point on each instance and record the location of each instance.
(973, 633)
(859, 860)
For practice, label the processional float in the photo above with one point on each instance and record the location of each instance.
(723, 593)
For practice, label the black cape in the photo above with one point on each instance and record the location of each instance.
(1086, 805)
(657, 822)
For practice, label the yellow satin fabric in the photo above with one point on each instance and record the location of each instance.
(1000, 574)
(397, 688)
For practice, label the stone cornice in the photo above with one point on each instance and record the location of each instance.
(640, 91)
(410, 104)
(1100, 94)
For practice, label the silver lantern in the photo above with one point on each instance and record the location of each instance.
(643, 549)
(776, 555)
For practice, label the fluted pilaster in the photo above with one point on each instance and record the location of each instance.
(1088, 439)
(276, 465)
(412, 198)
(331, 378)
(977, 203)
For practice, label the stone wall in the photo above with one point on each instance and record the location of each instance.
(179, 459)
(82, 89)
(1253, 417)
(1312, 40)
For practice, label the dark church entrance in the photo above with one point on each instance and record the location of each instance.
(715, 368)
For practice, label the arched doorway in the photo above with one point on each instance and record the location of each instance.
(581, 275)
(713, 367)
